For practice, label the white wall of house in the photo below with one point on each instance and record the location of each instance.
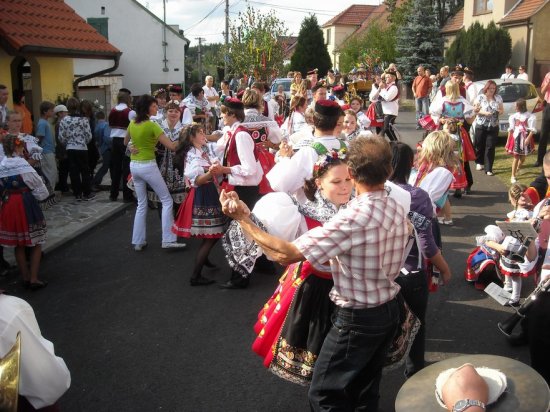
(139, 36)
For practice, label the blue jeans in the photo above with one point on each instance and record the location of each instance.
(349, 367)
(422, 106)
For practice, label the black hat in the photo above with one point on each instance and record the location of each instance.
(174, 88)
(327, 108)
(233, 103)
(312, 71)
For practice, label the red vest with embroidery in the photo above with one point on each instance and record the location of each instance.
(230, 155)
(118, 119)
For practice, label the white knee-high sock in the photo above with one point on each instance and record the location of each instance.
(516, 287)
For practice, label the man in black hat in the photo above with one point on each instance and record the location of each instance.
(388, 93)
(289, 174)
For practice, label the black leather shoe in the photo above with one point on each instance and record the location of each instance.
(232, 284)
(200, 281)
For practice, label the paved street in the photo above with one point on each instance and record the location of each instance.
(137, 337)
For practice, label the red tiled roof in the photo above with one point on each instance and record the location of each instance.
(50, 27)
(523, 10)
(380, 15)
(354, 15)
(455, 23)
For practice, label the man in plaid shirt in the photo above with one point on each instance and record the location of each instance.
(365, 244)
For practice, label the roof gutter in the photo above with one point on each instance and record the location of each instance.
(96, 74)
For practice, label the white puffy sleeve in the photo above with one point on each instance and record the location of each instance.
(44, 377)
(269, 213)
(193, 168)
(531, 121)
(289, 176)
(35, 183)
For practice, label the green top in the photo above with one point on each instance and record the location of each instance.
(145, 136)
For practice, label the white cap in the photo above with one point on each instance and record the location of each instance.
(60, 108)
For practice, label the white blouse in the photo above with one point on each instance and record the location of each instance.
(197, 162)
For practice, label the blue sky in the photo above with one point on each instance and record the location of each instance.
(188, 13)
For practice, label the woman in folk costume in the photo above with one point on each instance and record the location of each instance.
(521, 133)
(289, 173)
(293, 323)
(170, 172)
(200, 215)
(264, 131)
(22, 224)
(240, 167)
(453, 110)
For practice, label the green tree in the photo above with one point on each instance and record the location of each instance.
(376, 37)
(254, 47)
(418, 40)
(311, 51)
(484, 50)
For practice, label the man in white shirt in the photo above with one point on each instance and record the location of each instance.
(212, 96)
(44, 377)
(508, 74)
(388, 93)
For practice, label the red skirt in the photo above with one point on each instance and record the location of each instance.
(267, 161)
(21, 221)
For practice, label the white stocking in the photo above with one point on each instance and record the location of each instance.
(516, 287)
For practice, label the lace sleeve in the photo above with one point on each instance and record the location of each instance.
(240, 251)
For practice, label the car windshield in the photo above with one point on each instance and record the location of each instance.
(285, 83)
(510, 92)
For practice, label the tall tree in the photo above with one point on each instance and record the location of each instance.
(376, 37)
(486, 50)
(419, 40)
(311, 51)
(254, 47)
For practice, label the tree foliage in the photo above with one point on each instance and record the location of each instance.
(418, 40)
(254, 47)
(485, 50)
(375, 37)
(311, 50)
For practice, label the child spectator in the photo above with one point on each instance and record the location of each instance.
(102, 136)
(521, 130)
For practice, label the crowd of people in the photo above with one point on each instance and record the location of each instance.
(362, 215)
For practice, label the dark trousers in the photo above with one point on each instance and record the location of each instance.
(468, 173)
(63, 166)
(349, 367)
(387, 130)
(414, 288)
(539, 335)
(120, 169)
(79, 171)
(249, 195)
(485, 139)
(544, 134)
(105, 166)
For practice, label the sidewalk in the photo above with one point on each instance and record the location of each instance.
(69, 219)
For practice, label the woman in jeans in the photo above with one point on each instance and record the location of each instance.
(488, 106)
(145, 134)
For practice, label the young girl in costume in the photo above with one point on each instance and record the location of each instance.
(287, 326)
(495, 239)
(520, 136)
(200, 215)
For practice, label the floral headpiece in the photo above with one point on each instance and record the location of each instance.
(325, 160)
(177, 102)
(159, 92)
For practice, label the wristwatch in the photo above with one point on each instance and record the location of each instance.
(464, 404)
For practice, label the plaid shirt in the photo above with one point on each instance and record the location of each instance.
(365, 244)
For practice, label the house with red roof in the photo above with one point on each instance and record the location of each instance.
(39, 40)
(525, 20)
(343, 25)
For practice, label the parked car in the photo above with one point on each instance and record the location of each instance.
(285, 81)
(510, 90)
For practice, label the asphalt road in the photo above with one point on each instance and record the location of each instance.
(137, 337)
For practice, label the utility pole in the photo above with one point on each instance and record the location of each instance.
(226, 56)
(200, 39)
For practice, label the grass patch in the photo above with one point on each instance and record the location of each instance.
(503, 166)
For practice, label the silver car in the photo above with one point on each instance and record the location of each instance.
(511, 90)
